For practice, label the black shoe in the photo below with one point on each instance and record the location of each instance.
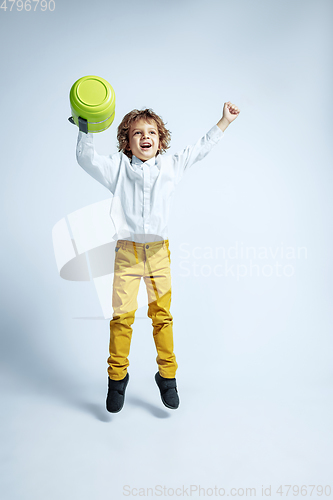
(168, 390)
(116, 394)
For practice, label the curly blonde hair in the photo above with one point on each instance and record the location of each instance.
(148, 115)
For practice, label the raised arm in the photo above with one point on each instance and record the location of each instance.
(183, 160)
(102, 168)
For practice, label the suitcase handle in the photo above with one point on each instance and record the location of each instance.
(83, 124)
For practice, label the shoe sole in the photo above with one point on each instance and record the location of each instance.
(171, 407)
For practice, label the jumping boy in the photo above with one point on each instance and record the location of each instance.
(143, 182)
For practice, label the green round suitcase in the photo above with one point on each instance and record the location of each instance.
(92, 101)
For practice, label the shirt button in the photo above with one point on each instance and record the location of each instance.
(147, 246)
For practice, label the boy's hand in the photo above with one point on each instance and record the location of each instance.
(230, 113)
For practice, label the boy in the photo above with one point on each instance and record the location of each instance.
(143, 184)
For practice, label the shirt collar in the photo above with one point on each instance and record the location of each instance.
(136, 161)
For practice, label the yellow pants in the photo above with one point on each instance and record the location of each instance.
(152, 262)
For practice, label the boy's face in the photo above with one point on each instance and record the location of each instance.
(143, 139)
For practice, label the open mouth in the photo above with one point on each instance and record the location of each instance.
(146, 146)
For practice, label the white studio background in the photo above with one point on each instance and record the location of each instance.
(252, 334)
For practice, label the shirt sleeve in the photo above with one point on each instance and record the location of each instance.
(184, 159)
(104, 169)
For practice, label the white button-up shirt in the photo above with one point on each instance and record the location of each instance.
(142, 191)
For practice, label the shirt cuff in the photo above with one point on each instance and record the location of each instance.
(85, 137)
(215, 134)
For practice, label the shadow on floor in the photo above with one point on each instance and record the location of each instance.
(154, 410)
